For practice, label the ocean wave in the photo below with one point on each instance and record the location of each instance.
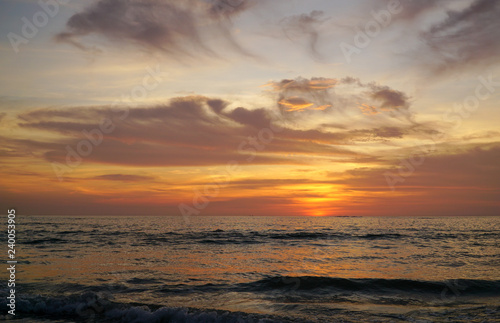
(288, 308)
(469, 287)
(45, 241)
(235, 237)
(307, 285)
(95, 307)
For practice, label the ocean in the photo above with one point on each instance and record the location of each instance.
(255, 269)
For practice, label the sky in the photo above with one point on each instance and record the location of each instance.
(250, 107)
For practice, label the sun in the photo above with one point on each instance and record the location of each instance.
(317, 212)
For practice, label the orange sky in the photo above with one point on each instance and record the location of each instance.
(254, 109)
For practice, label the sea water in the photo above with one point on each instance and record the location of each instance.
(256, 269)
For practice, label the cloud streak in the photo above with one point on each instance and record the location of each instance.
(176, 28)
(197, 130)
(305, 26)
(123, 178)
(467, 37)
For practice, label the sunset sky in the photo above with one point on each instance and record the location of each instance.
(238, 107)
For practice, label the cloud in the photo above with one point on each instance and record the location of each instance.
(177, 28)
(196, 130)
(318, 94)
(481, 135)
(448, 36)
(14, 148)
(453, 166)
(296, 104)
(61, 127)
(201, 131)
(305, 26)
(388, 100)
(187, 131)
(457, 180)
(301, 93)
(53, 114)
(450, 166)
(414, 9)
(304, 85)
(230, 8)
(123, 178)
(466, 37)
(258, 118)
(64, 201)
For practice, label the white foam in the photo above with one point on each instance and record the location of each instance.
(96, 308)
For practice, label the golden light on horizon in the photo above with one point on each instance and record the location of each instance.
(317, 199)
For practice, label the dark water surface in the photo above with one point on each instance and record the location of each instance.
(257, 269)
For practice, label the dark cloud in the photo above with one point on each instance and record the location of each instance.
(13, 147)
(263, 183)
(178, 28)
(456, 180)
(387, 100)
(387, 133)
(229, 8)
(318, 94)
(70, 202)
(196, 130)
(382, 98)
(460, 181)
(217, 105)
(453, 35)
(467, 37)
(466, 166)
(390, 99)
(187, 131)
(142, 154)
(258, 118)
(301, 93)
(450, 166)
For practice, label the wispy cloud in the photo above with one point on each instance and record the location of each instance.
(177, 28)
(306, 26)
(123, 178)
(466, 37)
(197, 130)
